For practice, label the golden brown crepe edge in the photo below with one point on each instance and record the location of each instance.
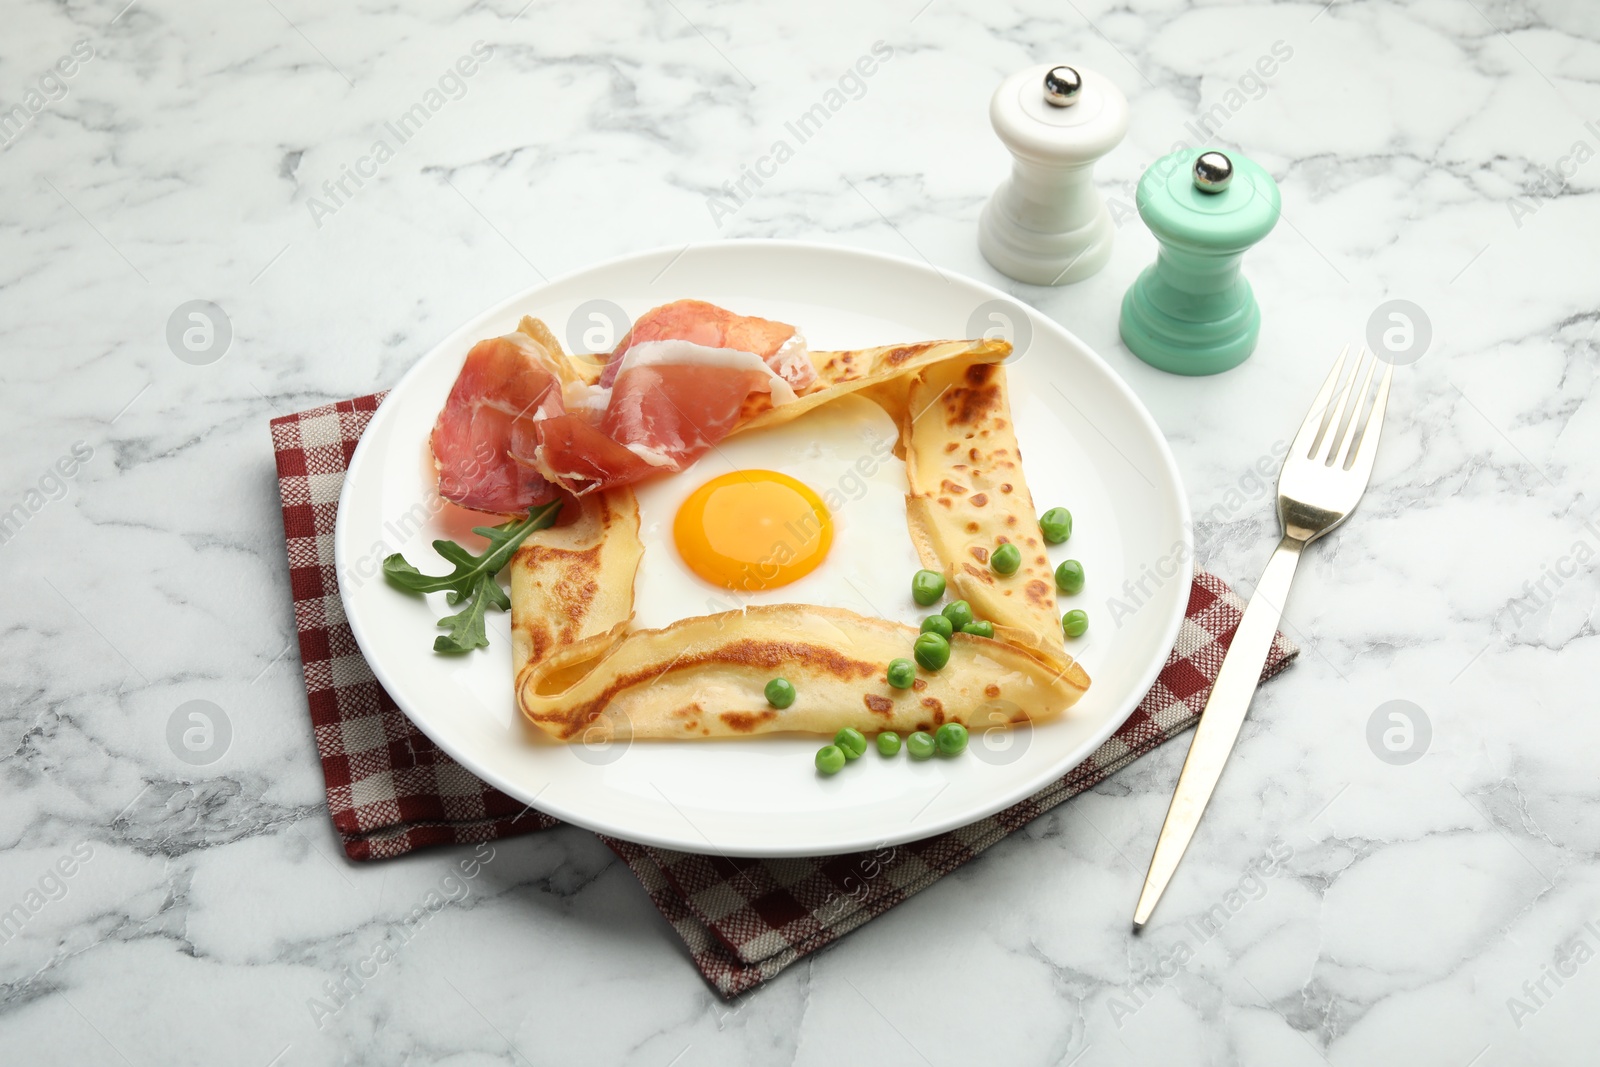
(961, 448)
(704, 677)
(840, 373)
(580, 572)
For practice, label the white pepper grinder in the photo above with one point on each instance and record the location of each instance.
(1047, 224)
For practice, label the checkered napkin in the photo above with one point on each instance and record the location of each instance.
(391, 790)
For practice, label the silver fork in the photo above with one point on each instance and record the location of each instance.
(1324, 475)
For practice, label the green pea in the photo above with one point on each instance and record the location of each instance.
(1006, 558)
(959, 612)
(927, 587)
(780, 693)
(921, 745)
(1056, 525)
(902, 672)
(932, 651)
(1074, 623)
(979, 629)
(851, 742)
(888, 743)
(938, 624)
(829, 759)
(1069, 577)
(951, 739)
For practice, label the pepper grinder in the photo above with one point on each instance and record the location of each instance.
(1192, 311)
(1046, 224)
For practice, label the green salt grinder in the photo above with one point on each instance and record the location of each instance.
(1192, 312)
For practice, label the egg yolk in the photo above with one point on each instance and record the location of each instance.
(753, 530)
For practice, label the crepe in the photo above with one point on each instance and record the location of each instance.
(968, 495)
(841, 373)
(573, 581)
(582, 673)
(704, 677)
(572, 368)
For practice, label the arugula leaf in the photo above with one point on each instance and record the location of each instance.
(467, 626)
(473, 581)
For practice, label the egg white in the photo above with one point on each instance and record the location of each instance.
(843, 450)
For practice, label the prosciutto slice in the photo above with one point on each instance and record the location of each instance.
(698, 322)
(670, 401)
(580, 457)
(505, 388)
(523, 421)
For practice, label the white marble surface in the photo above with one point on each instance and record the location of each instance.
(1406, 904)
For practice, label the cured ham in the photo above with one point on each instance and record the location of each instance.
(505, 388)
(523, 419)
(777, 343)
(580, 457)
(669, 402)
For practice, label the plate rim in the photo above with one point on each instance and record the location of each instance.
(1006, 797)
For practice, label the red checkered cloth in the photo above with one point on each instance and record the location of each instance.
(391, 790)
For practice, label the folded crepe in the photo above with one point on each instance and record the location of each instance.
(968, 496)
(573, 581)
(705, 677)
(865, 369)
(583, 673)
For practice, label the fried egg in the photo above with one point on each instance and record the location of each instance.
(750, 530)
(807, 512)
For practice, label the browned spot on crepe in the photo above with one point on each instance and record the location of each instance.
(745, 721)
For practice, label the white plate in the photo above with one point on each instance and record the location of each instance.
(1099, 453)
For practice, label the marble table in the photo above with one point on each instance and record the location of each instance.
(1365, 889)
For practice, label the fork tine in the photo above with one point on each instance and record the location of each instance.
(1350, 431)
(1365, 451)
(1338, 414)
(1310, 429)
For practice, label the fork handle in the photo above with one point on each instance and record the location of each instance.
(1220, 721)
